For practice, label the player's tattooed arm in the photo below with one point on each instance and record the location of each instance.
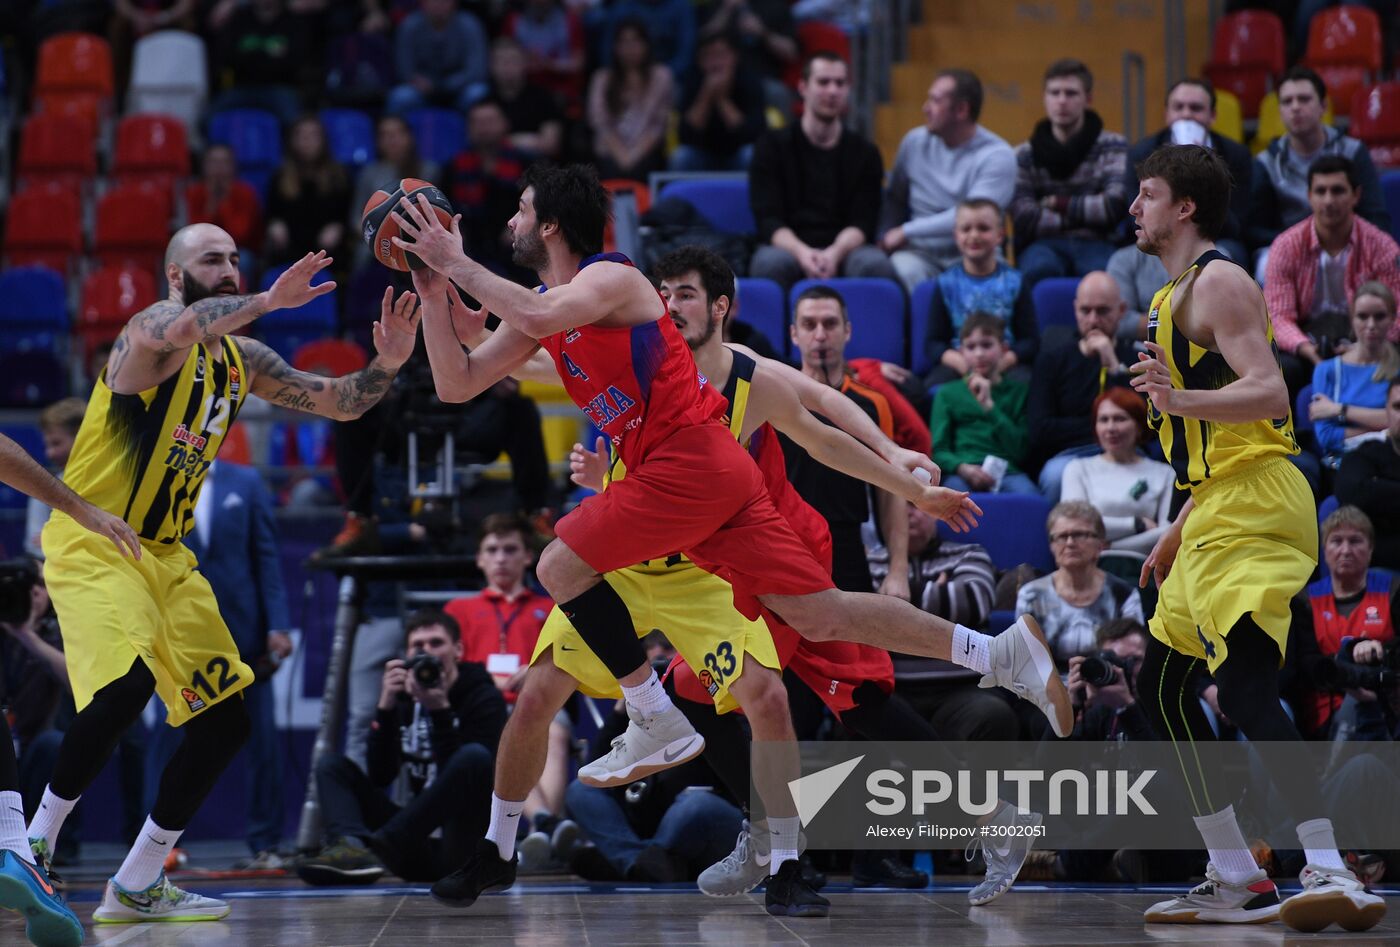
(341, 399)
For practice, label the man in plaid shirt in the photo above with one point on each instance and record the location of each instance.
(1070, 191)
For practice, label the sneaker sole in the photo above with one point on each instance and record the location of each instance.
(43, 924)
(322, 876)
(1310, 915)
(156, 919)
(1235, 916)
(1063, 722)
(689, 748)
(799, 910)
(468, 902)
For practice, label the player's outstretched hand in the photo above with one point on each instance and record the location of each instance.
(589, 467)
(1160, 559)
(397, 328)
(115, 528)
(427, 238)
(1151, 377)
(912, 460)
(293, 288)
(953, 507)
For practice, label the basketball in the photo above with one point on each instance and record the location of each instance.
(380, 226)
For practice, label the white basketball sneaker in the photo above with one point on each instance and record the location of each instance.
(651, 743)
(1022, 663)
(1332, 896)
(162, 901)
(1217, 901)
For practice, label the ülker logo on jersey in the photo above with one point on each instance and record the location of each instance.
(185, 436)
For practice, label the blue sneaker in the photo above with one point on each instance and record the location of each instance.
(26, 888)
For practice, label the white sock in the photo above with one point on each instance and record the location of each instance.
(13, 835)
(782, 834)
(48, 818)
(972, 649)
(649, 697)
(1319, 844)
(1229, 852)
(505, 820)
(146, 859)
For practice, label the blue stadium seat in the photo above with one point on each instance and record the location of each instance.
(255, 137)
(28, 437)
(999, 620)
(761, 306)
(920, 302)
(876, 308)
(1390, 190)
(33, 310)
(1012, 530)
(723, 202)
(350, 133)
(441, 133)
(1054, 301)
(316, 319)
(31, 379)
(1302, 424)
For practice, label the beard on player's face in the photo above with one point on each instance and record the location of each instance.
(194, 290)
(528, 250)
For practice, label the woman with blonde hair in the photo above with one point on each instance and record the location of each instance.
(1348, 401)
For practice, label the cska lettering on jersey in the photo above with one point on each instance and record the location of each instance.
(607, 407)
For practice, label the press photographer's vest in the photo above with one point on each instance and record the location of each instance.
(1369, 619)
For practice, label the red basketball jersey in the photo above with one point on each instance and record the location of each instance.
(636, 383)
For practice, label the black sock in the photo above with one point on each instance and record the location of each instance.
(605, 625)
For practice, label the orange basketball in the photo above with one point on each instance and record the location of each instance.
(380, 226)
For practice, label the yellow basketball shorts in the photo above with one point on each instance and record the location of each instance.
(1248, 546)
(692, 608)
(113, 610)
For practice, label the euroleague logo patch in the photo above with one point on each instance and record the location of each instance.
(707, 681)
(194, 700)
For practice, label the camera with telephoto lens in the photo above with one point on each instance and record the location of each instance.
(1100, 669)
(425, 668)
(17, 579)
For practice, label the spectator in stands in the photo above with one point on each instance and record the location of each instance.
(1190, 113)
(1279, 186)
(58, 425)
(1070, 192)
(439, 733)
(396, 158)
(536, 123)
(483, 184)
(1352, 601)
(1068, 377)
(1133, 493)
(552, 36)
(263, 49)
(33, 686)
(500, 626)
(441, 56)
(307, 197)
(982, 283)
(1072, 602)
(721, 110)
(1138, 275)
(629, 105)
(1316, 265)
(814, 187)
(979, 422)
(670, 26)
(767, 38)
(221, 198)
(946, 161)
(1369, 478)
(1348, 401)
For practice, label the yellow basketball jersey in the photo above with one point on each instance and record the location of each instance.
(736, 393)
(1199, 450)
(143, 456)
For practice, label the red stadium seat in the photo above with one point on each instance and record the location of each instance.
(75, 63)
(1375, 119)
(333, 357)
(1248, 51)
(640, 193)
(43, 227)
(1344, 36)
(133, 225)
(56, 148)
(1343, 83)
(84, 106)
(151, 147)
(113, 294)
(814, 36)
(1248, 83)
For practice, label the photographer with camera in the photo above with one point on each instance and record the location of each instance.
(435, 731)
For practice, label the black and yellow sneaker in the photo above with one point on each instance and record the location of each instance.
(789, 895)
(484, 872)
(344, 863)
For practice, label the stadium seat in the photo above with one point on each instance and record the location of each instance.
(628, 190)
(151, 148)
(169, 76)
(815, 36)
(1390, 190)
(760, 304)
(920, 309)
(255, 138)
(74, 63)
(1375, 119)
(876, 310)
(1247, 52)
(1229, 118)
(58, 149)
(441, 133)
(44, 227)
(293, 328)
(31, 379)
(333, 357)
(1344, 46)
(1012, 530)
(723, 202)
(1053, 300)
(82, 106)
(33, 310)
(350, 133)
(359, 69)
(111, 295)
(133, 225)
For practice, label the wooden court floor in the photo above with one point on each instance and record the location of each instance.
(282, 912)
